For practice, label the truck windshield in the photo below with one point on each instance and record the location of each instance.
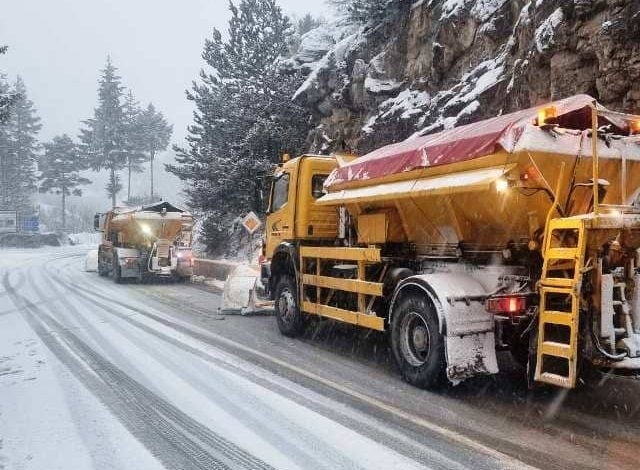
(280, 192)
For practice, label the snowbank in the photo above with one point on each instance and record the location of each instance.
(239, 288)
(91, 261)
(84, 238)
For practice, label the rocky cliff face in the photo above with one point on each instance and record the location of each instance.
(434, 64)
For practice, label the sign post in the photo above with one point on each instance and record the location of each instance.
(251, 223)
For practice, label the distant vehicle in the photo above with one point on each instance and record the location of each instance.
(518, 233)
(146, 241)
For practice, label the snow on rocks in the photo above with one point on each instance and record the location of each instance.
(408, 102)
(333, 56)
(484, 9)
(451, 8)
(452, 62)
(321, 46)
(375, 85)
(313, 46)
(484, 76)
(481, 10)
(544, 35)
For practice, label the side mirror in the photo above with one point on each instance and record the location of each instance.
(263, 190)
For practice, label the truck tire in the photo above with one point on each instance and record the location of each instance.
(103, 270)
(416, 342)
(117, 273)
(290, 319)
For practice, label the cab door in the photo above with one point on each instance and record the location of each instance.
(280, 223)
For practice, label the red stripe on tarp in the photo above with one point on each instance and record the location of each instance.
(449, 146)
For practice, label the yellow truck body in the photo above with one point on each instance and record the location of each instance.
(139, 242)
(521, 233)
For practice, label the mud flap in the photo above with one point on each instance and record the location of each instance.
(470, 355)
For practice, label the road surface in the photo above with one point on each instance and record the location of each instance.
(95, 375)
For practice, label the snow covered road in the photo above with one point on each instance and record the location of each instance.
(95, 375)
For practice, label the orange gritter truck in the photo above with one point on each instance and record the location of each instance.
(144, 242)
(518, 233)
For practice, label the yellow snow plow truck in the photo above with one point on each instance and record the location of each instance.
(143, 242)
(518, 233)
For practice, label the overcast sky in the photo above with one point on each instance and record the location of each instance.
(59, 46)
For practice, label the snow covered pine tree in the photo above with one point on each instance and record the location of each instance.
(60, 168)
(18, 150)
(244, 119)
(103, 138)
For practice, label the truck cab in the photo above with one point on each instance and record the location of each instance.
(293, 217)
(292, 212)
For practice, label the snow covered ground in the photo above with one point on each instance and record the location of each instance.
(95, 375)
(88, 383)
(85, 238)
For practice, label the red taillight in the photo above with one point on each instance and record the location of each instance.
(186, 258)
(507, 305)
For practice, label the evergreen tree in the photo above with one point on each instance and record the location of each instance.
(7, 98)
(302, 26)
(155, 136)
(307, 23)
(60, 168)
(134, 142)
(244, 115)
(18, 150)
(103, 137)
(4, 142)
(365, 11)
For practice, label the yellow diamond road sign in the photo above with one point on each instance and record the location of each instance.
(251, 222)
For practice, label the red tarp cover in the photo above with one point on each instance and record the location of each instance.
(450, 146)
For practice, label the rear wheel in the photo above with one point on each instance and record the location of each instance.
(290, 319)
(117, 273)
(102, 269)
(416, 342)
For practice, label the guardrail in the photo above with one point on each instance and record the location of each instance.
(215, 269)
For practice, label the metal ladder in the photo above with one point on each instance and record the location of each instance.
(557, 357)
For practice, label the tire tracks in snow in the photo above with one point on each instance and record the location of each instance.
(173, 437)
(268, 429)
(500, 459)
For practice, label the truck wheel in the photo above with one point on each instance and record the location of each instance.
(102, 268)
(117, 273)
(288, 315)
(417, 344)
